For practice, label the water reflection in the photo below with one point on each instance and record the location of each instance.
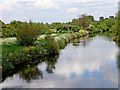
(30, 74)
(119, 58)
(85, 63)
(83, 42)
(51, 64)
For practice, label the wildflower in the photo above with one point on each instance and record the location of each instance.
(10, 54)
(32, 47)
(81, 31)
(1, 67)
(28, 65)
(26, 49)
(28, 55)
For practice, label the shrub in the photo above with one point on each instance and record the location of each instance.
(27, 34)
(51, 45)
(8, 31)
(61, 44)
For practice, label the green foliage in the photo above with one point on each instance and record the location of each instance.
(27, 34)
(54, 25)
(109, 22)
(42, 28)
(118, 27)
(63, 27)
(91, 18)
(75, 28)
(14, 55)
(61, 44)
(16, 24)
(66, 28)
(51, 45)
(76, 22)
(83, 21)
(8, 31)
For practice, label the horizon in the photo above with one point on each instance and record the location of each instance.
(57, 22)
(51, 11)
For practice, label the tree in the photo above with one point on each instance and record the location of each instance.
(82, 21)
(27, 34)
(118, 26)
(16, 24)
(91, 18)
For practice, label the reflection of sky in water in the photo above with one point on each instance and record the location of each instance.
(90, 66)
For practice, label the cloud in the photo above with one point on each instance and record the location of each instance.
(78, 62)
(87, 0)
(72, 10)
(55, 11)
(95, 4)
(6, 5)
(43, 4)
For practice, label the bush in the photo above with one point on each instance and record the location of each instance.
(8, 31)
(61, 44)
(51, 45)
(27, 34)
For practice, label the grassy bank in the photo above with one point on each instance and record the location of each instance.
(13, 54)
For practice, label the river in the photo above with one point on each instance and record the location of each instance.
(89, 63)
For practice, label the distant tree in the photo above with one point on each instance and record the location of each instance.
(91, 18)
(76, 22)
(16, 24)
(54, 25)
(82, 21)
(109, 22)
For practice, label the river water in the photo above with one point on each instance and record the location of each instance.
(89, 63)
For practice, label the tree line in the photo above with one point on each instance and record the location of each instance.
(83, 22)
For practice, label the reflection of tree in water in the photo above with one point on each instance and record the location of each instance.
(51, 64)
(119, 58)
(76, 42)
(82, 42)
(31, 73)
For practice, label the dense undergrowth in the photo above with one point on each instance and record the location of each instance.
(14, 54)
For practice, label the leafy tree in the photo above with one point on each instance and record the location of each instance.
(82, 21)
(118, 26)
(91, 18)
(16, 24)
(27, 34)
(109, 22)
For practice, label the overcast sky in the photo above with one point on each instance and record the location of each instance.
(54, 10)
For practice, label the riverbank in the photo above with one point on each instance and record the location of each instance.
(14, 55)
(62, 67)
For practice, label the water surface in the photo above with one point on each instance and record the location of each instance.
(91, 63)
